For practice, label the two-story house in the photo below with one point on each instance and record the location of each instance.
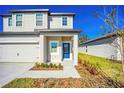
(36, 35)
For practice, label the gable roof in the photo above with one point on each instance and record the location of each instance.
(28, 10)
(62, 14)
(37, 10)
(100, 38)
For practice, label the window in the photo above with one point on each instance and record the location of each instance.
(18, 19)
(53, 47)
(9, 21)
(39, 19)
(64, 20)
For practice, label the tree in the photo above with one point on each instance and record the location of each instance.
(82, 39)
(113, 24)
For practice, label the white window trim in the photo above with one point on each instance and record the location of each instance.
(9, 21)
(62, 21)
(54, 53)
(41, 19)
(21, 20)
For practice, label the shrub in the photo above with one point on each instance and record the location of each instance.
(42, 65)
(54, 66)
(60, 66)
(51, 65)
(46, 65)
(37, 64)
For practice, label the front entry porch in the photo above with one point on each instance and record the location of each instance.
(59, 49)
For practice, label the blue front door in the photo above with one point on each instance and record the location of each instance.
(66, 50)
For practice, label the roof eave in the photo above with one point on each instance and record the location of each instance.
(100, 38)
(5, 15)
(57, 30)
(30, 10)
(62, 14)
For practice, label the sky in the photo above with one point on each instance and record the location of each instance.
(83, 20)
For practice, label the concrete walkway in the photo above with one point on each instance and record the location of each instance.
(11, 71)
(68, 71)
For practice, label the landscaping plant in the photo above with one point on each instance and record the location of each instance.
(47, 66)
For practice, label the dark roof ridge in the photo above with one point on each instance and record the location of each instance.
(101, 37)
(28, 10)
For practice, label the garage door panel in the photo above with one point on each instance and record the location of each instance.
(19, 53)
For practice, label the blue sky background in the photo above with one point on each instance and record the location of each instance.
(83, 20)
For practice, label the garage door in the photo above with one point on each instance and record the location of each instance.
(19, 52)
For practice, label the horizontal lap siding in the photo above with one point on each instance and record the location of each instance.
(100, 48)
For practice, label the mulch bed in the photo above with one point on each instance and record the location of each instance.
(34, 68)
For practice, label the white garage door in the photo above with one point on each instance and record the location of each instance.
(19, 52)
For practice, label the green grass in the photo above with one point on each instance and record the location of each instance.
(20, 83)
(111, 68)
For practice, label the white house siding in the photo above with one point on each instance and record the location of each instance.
(101, 48)
(42, 48)
(19, 49)
(45, 49)
(75, 49)
(56, 22)
(54, 57)
(18, 39)
(28, 23)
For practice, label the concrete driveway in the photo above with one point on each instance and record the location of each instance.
(10, 71)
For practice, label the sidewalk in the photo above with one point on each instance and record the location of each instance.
(68, 71)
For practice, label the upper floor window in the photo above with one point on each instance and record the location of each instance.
(9, 21)
(18, 19)
(39, 19)
(64, 20)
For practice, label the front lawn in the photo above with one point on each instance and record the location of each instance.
(20, 83)
(110, 68)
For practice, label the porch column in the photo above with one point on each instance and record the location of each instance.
(41, 48)
(75, 49)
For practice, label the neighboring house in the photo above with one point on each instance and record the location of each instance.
(36, 35)
(104, 46)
